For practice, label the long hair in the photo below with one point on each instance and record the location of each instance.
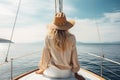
(59, 38)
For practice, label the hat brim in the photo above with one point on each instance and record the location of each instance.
(69, 24)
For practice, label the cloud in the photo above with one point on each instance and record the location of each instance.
(85, 30)
(5, 12)
(35, 15)
(31, 22)
(108, 26)
(30, 12)
(113, 17)
(25, 35)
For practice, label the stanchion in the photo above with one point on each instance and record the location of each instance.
(11, 69)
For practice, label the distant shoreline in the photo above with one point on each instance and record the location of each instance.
(78, 43)
(5, 41)
(106, 43)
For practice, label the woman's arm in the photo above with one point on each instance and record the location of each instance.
(74, 57)
(40, 71)
(45, 58)
(79, 77)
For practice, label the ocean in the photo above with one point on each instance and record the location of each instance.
(27, 56)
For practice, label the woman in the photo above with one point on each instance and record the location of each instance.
(59, 57)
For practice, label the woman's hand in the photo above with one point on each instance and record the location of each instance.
(39, 71)
(79, 77)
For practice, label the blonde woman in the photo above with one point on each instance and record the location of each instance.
(59, 57)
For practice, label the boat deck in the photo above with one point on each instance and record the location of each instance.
(33, 76)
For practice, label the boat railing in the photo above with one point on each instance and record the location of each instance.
(12, 60)
(101, 64)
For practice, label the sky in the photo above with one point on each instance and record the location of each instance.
(96, 20)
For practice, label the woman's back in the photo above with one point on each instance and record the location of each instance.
(63, 59)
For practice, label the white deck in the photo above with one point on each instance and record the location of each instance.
(87, 75)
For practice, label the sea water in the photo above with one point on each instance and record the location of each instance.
(27, 56)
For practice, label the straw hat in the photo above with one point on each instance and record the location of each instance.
(61, 23)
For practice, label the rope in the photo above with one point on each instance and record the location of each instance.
(106, 69)
(87, 58)
(100, 40)
(106, 60)
(28, 54)
(111, 72)
(118, 63)
(112, 61)
(6, 59)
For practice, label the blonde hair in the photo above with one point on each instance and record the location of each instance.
(59, 38)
